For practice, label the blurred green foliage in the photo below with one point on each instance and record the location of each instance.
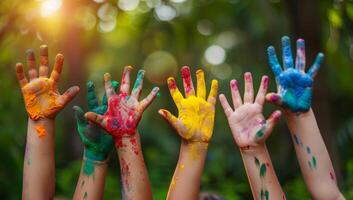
(224, 37)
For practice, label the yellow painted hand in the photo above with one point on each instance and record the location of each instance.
(196, 114)
(41, 95)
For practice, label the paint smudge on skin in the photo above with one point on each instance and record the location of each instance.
(264, 193)
(40, 129)
(85, 196)
(332, 176)
(312, 162)
(263, 170)
(134, 145)
(125, 172)
(88, 167)
(266, 81)
(82, 183)
(185, 73)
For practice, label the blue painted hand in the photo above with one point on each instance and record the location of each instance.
(294, 85)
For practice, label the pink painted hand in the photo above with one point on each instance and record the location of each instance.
(247, 123)
(41, 95)
(124, 110)
(196, 114)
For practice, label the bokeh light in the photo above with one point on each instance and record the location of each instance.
(215, 55)
(128, 5)
(49, 7)
(160, 65)
(165, 12)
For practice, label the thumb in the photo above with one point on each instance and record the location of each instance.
(68, 95)
(79, 115)
(274, 98)
(263, 134)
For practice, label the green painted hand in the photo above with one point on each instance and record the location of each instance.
(98, 144)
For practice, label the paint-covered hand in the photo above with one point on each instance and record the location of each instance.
(98, 144)
(246, 121)
(124, 110)
(41, 95)
(196, 114)
(294, 85)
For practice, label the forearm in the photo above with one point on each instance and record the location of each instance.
(261, 174)
(91, 182)
(39, 162)
(187, 176)
(313, 157)
(135, 180)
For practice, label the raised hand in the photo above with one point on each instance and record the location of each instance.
(41, 95)
(294, 85)
(246, 121)
(98, 144)
(124, 110)
(196, 114)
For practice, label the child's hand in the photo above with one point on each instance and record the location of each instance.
(98, 144)
(294, 85)
(247, 123)
(124, 110)
(196, 115)
(41, 95)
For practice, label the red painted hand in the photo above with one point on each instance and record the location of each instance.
(124, 110)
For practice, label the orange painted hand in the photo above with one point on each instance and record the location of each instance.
(247, 123)
(41, 95)
(196, 114)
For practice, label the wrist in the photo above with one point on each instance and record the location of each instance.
(92, 155)
(253, 150)
(290, 114)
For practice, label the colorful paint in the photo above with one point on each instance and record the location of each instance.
(196, 114)
(40, 129)
(295, 86)
(312, 162)
(264, 193)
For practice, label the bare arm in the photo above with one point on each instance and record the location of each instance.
(121, 120)
(195, 126)
(294, 96)
(250, 131)
(43, 102)
(98, 145)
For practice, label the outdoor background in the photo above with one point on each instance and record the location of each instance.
(224, 37)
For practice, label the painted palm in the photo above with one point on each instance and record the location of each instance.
(41, 95)
(98, 143)
(196, 113)
(294, 85)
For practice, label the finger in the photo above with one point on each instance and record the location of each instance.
(148, 100)
(174, 91)
(201, 85)
(274, 98)
(79, 115)
(273, 61)
(188, 86)
(213, 92)
(260, 97)
(58, 65)
(287, 53)
(125, 80)
(300, 61)
(20, 75)
(31, 63)
(249, 88)
(96, 119)
(43, 60)
(225, 105)
(91, 96)
(68, 95)
(316, 66)
(170, 118)
(105, 99)
(136, 91)
(270, 124)
(109, 90)
(237, 101)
